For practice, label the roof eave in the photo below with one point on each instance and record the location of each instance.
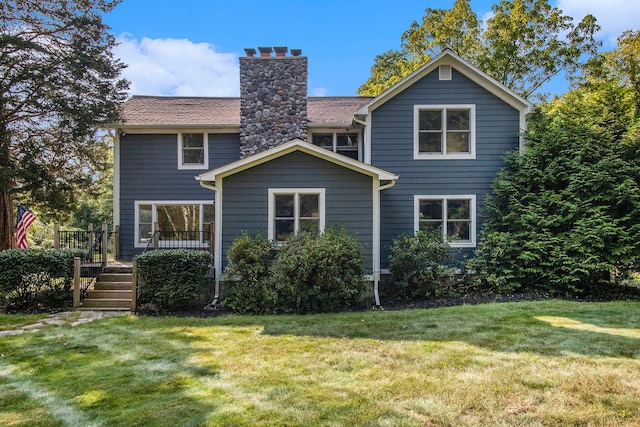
(290, 147)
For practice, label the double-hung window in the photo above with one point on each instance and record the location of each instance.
(193, 151)
(444, 132)
(177, 221)
(453, 216)
(294, 210)
(345, 143)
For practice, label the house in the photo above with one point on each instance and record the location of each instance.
(422, 154)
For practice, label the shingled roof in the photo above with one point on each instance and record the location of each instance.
(146, 111)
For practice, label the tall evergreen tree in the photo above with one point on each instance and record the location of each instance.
(565, 216)
(59, 83)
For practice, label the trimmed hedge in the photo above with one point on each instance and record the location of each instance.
(173, 280)
(31, 278)
(309, 274)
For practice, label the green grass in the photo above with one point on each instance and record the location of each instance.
(14, 321)
(532, 364)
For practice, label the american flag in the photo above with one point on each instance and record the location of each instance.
(25, 219)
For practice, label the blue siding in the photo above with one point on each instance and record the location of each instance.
(348, 197)
(497, 128)
(149, 171)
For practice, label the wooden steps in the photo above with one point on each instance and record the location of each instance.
(112, 291)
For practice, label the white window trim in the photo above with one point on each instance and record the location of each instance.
(472, 208)
(154, 215)
(297, 191)
(335, 133)
(194, 166)
(454, 156)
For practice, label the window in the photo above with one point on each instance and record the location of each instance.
(292, 210)
(179, 221)
(444, 132)
(453, 216)
(193, 151)
(345, 143)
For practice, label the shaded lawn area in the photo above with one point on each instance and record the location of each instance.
(533, 363)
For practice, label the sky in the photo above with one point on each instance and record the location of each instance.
(191, 47)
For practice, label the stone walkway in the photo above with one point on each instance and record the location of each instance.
(72, 318)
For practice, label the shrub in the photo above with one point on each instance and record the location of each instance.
(319, 273)
(37, 278)
(248, 288)
(173, 280)
(310, 273)
(416, 263)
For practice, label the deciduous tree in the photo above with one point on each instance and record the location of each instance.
(523, 44)
(59, 82)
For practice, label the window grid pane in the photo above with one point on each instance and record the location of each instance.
(452, 217)
(324, 140)
(295, 212)
(192, 148)
(445, 131)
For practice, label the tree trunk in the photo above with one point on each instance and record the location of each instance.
(7, 225)
(7, 232)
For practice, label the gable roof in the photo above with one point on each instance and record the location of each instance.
(290, 147)
(199, 112)
(447, 57)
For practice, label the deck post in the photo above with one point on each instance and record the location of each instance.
(134, 285)
(90, 241)
(76, 282)
(116, 242)
(56, 236)
(105, 243)
(156, 237)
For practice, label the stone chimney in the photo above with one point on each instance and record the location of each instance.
(273, 98)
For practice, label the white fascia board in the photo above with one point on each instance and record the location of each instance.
(447, 57)
(290, 147)
(164, 129)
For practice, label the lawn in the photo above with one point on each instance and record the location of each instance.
(535, 363)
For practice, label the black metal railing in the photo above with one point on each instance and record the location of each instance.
(89, 241)
(179, 239)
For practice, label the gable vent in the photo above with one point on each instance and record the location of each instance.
(445, 72)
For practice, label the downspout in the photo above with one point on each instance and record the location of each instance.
(216, 295)
(376, 272)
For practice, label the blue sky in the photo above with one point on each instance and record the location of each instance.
(192, 47)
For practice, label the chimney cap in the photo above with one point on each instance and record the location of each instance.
(296, 52)
(265, 51)
(280, 50)
(251, 52)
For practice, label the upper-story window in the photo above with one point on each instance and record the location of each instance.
(345, 143)
(193, 151)
(444, 132)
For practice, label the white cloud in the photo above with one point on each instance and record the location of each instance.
(177, 67)
(613, 16)
(319, 91)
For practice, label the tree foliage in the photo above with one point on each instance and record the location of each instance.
(59, 83)
(565, 217)
(523, 45)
